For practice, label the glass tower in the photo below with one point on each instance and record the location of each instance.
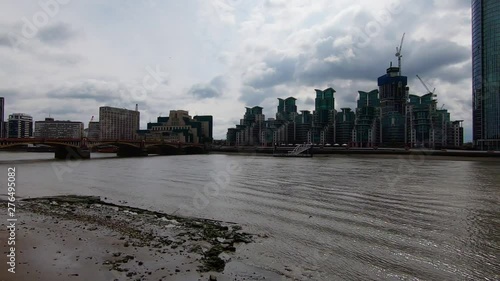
(486, 73)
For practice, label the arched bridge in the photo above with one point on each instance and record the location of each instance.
(80, 148)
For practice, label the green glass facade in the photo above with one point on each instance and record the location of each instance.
(344, 124)
(393, 96)
(287, 110)
(486, 73)
(366, 128)
(324, 106)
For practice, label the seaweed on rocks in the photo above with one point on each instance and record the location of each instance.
(206, 239)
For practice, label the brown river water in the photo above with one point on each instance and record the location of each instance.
(326, 218)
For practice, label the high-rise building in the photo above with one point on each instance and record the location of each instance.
(252, 129)
(324, 106)
(393, 93)
(94, 130)
(20, 125)
(420, 125)
(54, 129)
(207, 124)
(486, 73)
(344, 124)
(455, 134)
(287, 110)
(366, 127)
(324, 117)
(2, 122)
(118, 123)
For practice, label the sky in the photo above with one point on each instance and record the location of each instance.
(66, 58)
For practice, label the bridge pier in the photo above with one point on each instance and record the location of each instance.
(131, 152)
(71, 153)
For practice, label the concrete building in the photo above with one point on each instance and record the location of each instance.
(180, 127)
(486, 74)
(54, 129)
(94, 130)
(20, 125)
(252, 130)
(2, 116)
(421, 111)
(118, 123)
(455, 134)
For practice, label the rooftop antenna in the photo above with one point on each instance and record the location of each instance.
(399, 54)
(136, 107)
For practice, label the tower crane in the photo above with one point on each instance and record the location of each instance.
(399, 54)
(427, 88)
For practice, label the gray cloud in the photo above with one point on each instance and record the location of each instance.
(5, 40)
(10, 94)
(209, 90)
(252, 96)
(204, 91)
(100, 91)
(309, 101)
(57, 33)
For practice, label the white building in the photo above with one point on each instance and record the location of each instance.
(52, 129)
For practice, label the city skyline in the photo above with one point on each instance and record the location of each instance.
(222, 56)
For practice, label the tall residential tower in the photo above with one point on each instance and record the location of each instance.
(486, 73)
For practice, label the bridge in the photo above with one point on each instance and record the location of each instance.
(81, 148)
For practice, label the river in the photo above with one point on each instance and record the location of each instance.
(324, 218)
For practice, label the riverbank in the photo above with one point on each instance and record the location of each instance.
(317, 151)
(85, 238)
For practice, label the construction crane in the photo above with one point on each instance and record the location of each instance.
(399, 54)
(91, 119)
(427, 88)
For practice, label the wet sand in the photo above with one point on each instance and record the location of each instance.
(83, 238)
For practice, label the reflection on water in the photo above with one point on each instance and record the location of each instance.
(331, 218)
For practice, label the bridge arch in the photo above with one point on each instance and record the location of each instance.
(194, 149)
(164, 149)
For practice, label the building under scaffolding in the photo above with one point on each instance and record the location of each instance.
(393, 92)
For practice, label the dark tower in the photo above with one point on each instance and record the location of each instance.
(486, 73)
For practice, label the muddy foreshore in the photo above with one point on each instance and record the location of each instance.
(85, 238)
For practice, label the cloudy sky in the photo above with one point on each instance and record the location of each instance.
(68, 57)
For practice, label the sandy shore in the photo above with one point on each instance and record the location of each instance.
(83, 238)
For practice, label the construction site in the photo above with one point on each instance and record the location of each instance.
(385, 117)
